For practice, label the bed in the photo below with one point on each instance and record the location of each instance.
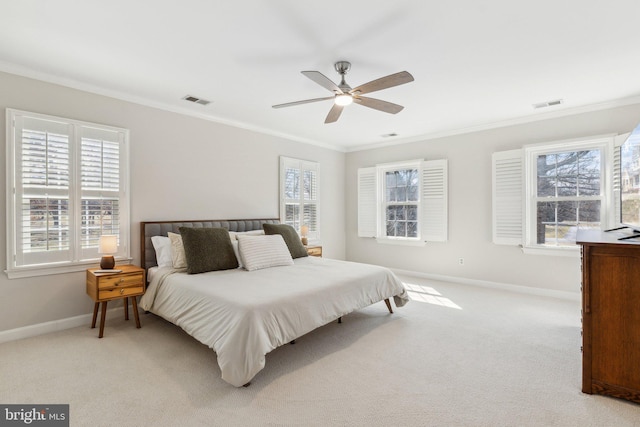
(243, 315)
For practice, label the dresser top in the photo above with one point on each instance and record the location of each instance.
(590, 236)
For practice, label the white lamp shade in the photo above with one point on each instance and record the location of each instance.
(108, 245)
(304, 230)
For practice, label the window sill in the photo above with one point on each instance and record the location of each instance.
(568, 251)
(401, 242)
(47, 270)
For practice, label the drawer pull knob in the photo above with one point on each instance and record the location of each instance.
(121, 291)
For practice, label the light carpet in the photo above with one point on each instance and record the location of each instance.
(454, 356)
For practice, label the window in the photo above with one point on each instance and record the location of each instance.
(568, 193)
(68, 183)
(400, 202)
(544, 193)
(299, 195)
(404, 202)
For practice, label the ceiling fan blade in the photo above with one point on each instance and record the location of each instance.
(306, 101)
(377, 104)
(383, 83)
(323, 81)
(334, 113)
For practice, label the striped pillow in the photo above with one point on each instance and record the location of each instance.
(257, 252)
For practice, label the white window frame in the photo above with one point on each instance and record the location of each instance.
(76, 258)
(605, 146)
(432, 202)
(382, 204)
(303, 166)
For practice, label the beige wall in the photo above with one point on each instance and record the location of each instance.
(181, 168)
(184, 167)
(469, 193)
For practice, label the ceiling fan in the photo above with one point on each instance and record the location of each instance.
(345, 95)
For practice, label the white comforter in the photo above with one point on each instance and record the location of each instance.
(243, 315)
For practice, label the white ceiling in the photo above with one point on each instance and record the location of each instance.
(476, 64)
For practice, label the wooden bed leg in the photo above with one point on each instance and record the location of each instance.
(340, 319)
(292, 342)
(386, 301)
(247, 384)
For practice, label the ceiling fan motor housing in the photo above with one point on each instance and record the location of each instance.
(343, 67)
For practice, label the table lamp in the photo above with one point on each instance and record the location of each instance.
(304, 230)
(108, 246)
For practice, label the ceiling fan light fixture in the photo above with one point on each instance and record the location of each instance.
(343, 99)
(343, 95)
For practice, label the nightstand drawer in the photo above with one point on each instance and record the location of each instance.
(120, 292)
(120, 280)
(314, 250)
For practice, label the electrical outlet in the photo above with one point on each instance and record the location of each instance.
(461, 261)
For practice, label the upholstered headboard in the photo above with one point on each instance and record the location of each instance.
(161, 228)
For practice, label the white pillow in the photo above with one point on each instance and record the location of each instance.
(162, 245)
(178, 257)
(235, 234)
(259, 252)
(236, 250)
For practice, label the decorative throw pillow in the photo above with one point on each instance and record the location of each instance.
(234, 234)
(290, 236)
(178, 258)
(257, 252)
(207, 249)
(162, 245)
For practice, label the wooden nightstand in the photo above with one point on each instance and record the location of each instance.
(314, 250)
(105, 287)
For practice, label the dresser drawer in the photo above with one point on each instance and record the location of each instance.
(119, 292)
(120, 280)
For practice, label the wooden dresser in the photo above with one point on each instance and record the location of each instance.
(610, 314)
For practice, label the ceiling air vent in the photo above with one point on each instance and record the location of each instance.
(196, 100)
(548, 103)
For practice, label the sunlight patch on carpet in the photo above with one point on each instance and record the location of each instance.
(429, 295)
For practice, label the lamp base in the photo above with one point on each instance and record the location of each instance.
(107, 262)
(304, 241)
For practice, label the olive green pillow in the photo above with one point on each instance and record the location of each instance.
(290, 237)
(207, 249)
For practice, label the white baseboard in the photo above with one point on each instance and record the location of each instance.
(571, 296)
(53, 326)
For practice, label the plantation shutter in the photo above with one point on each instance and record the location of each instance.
(508, 191)
(434, 200)
(100, 184)
(367, 204)
(67, 185)
(299, 195)
(42, 206)
(617, 185)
